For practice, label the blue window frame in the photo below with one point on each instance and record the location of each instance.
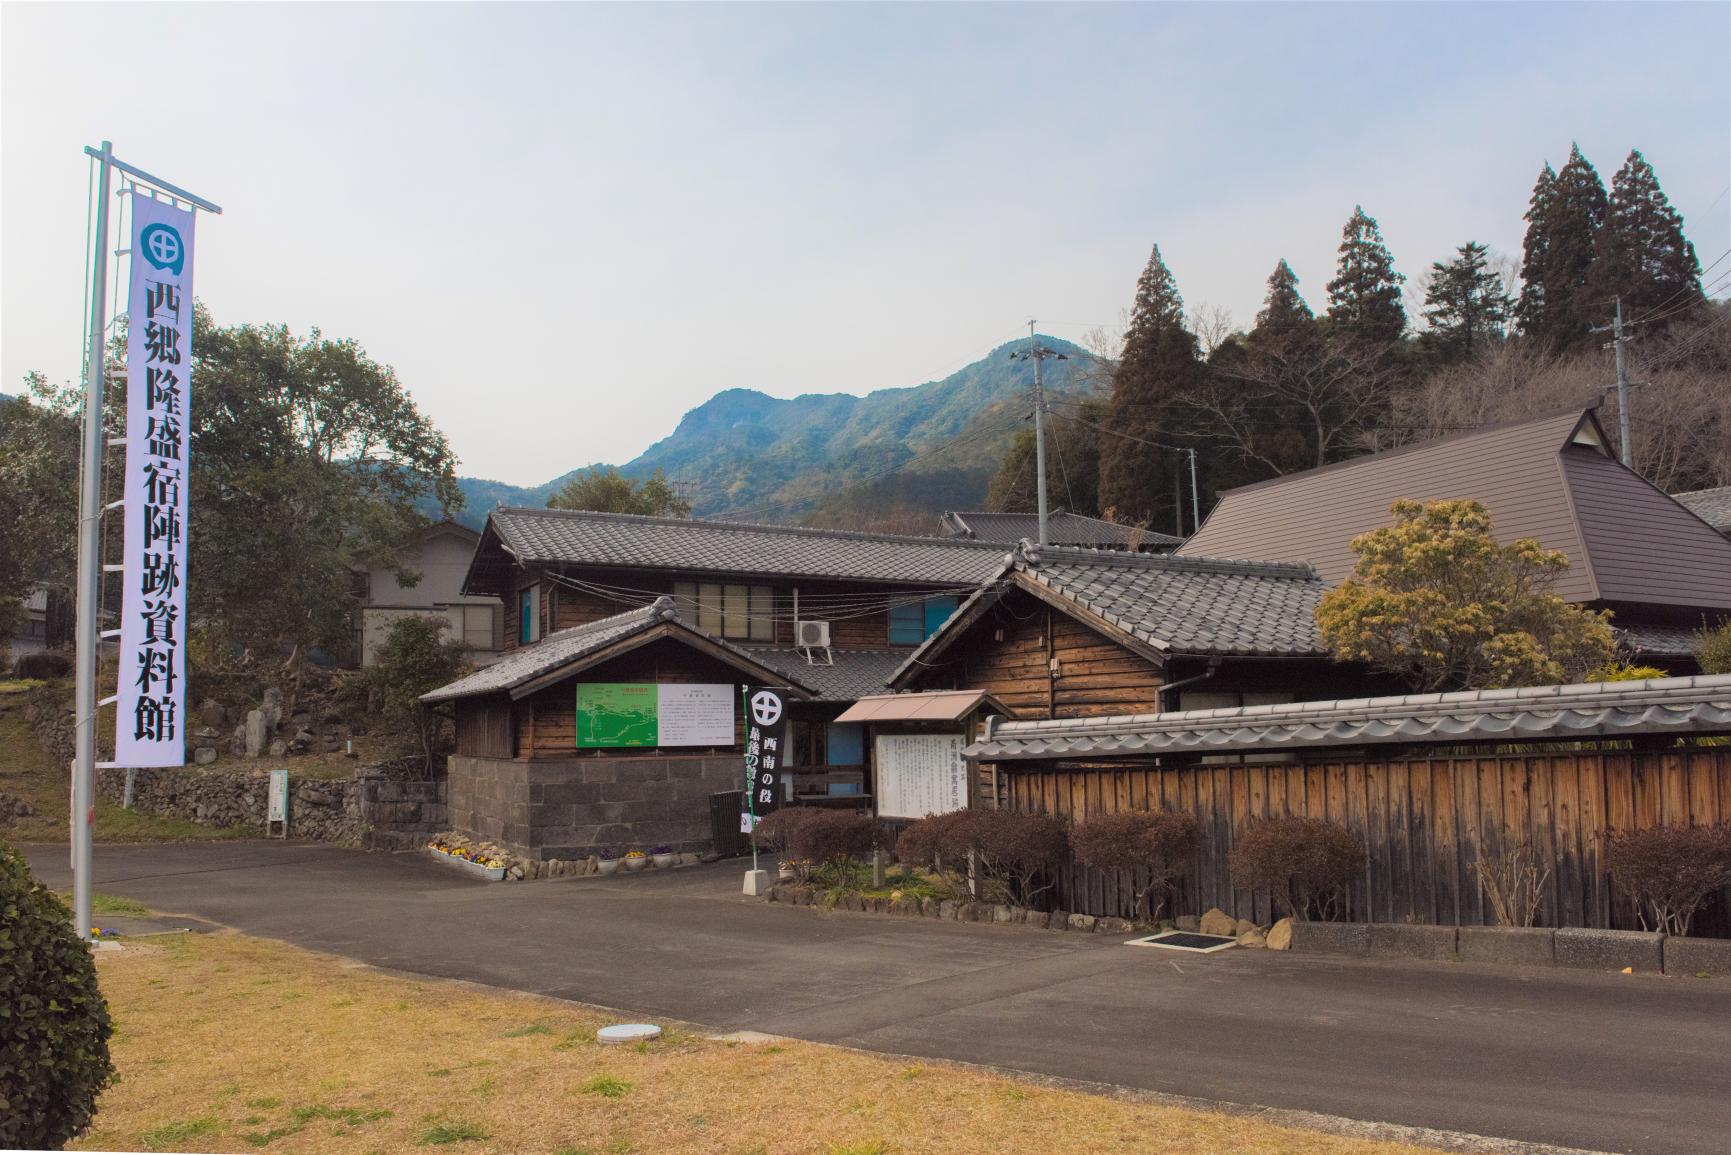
(528, 615)
(913, 622)
(938, 611)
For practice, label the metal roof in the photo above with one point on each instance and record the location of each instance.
(853, 674)
(1667, 706)
(931, 706)
(1550, 478)
(1712, 506)
(1167, 604)
(522, 667)
(1062, 528)
(554, 536)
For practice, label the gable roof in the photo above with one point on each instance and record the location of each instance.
(1156, 604)
(1712, 506)
(1062, 527)
(849, 675)
(1673, 706)
(555, 536)
(529, 668)
(1551, 478)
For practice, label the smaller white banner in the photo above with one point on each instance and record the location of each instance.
(694, 714)
(920, 774)
(276, 809)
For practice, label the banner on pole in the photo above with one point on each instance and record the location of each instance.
(151, 708)
(765, 746)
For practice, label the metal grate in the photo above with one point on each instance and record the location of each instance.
(1186, 940)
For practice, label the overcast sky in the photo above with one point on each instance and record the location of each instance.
(566, 225)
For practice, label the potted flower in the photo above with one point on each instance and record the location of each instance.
(605, 862)
(662, 856)
(786, 871)
(636, 860)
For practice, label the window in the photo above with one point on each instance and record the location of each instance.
(529, 615)
(742, 612)
(913, 622)
(472, 625)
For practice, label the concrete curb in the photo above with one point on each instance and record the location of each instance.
(953, 910)
(1508, 945)
(1331, 937)
(1610, 950)
(1698, 956)
(1412, 940)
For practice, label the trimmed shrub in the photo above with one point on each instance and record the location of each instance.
(1305, 864)
(1713, 650)
(938, 842)
(1670, 870)
(1160, 842)
(826, 835)
(43, 664)
(54, 1026)
(775, 830)
(1012, 854)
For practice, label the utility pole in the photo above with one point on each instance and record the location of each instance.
(1195, 497)
(1037, 353)
(1619, 340)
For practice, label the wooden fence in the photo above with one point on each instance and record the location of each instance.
(1423, 822)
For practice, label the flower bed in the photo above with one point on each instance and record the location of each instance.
(476, 859)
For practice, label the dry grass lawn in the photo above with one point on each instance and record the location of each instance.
(228, 1043)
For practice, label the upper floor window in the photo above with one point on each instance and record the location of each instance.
(913, 622)
(529, 615)
(740, 612)
(472, 624)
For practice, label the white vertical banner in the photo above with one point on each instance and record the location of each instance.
(151, 717)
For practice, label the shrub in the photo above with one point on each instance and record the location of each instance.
(43, 664)
(1713, 650)
(1009, 851)
(774, 831)
(1670, 870)
(1513, 881)
(1624, 672)
(826, 835)
(1158, 841)
(938, 842)
(54, 1026)
(1304, 863)
(416, 657)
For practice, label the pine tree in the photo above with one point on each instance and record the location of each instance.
(1535, 251)
(1641, 253)
(1365, 292)
(1576, 213)
(1284, 311)
(1466, 303)
(1160, 365)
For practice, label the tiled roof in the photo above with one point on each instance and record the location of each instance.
(694, 545)
(1672, 706)
(527, 663)
(855, 674)
(1179, 605)
(1712, 506)
(1062, 528)
(1659, 641)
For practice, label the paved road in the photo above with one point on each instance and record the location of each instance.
(1607, 1062)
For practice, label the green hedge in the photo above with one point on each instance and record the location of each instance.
(54, 1026)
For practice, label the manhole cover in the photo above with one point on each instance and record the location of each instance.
(627, 1033)
(1186, 940)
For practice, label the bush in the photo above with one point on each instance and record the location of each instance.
(1011, 852)
(1713, 650)
(1624, 672)
(1158, 841)
(774, 831)
(1670, 871)
(1304, 863)
(43, 664)
(416, 657)
(54, 1026)
(809, 837)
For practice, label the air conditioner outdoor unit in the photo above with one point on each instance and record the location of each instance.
(810, 636)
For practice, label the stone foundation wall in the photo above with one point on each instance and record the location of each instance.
(572, 808)
(369, 808)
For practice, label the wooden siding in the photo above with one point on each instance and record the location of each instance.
(1422, 822)
(486, 727)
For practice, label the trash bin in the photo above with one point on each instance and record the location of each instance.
(724, 811)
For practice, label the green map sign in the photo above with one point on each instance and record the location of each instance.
(620, 714)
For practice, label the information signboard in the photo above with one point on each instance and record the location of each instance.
(920, 774)
(639, 714)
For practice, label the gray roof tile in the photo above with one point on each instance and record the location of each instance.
(695, 545)
(1712, 506)
(855, 674)
(1062, 528)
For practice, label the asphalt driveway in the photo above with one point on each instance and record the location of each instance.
(1606, 1062)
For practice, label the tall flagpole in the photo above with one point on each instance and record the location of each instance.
(89, 562)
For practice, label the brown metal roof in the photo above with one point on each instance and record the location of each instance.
(932, 706)
(1550, 478)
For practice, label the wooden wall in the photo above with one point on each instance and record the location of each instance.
(1009, 653)
(1422, 821)
(485, 727)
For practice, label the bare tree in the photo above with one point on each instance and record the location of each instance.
(1213, 327)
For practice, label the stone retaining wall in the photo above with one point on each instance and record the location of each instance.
(571, 808)
(371, 809)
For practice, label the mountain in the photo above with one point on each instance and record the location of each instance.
(830, 458)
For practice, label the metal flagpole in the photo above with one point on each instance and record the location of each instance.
(1039, 433)
(89, 564)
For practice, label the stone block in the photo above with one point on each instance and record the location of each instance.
(1696, 957)
(1188, 922)
(1508, 945)
(1004, 914)
(1412, 940)
(1610, 950)
(1113, 926)
(1331, 937)
(1058, 920)
(1082, 922)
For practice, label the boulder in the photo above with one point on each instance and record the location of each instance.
(271, 708)
(256, 732)
(1188, 922)
(1058, 920)
(211, 713)
(1113, 926)
(301, 742)
(1217, 921)
(1252, 938)
(204, 755)
(1279, 935)
(237, 741)
(1082, 922)
(1243, 926)
(278, 748)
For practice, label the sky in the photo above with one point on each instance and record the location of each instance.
(566, 225)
